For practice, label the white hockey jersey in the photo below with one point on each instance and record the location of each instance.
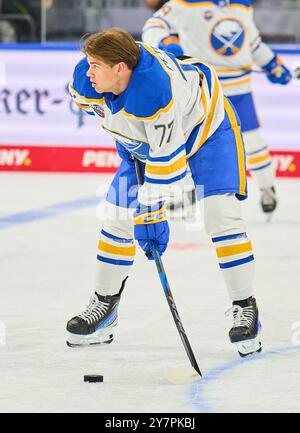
(166, 113)
(225, 36)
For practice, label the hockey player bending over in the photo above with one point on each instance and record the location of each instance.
(163, 112)
(223, 33)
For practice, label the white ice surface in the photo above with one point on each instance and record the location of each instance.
(46, 277)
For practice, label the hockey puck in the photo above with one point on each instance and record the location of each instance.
(93, 378)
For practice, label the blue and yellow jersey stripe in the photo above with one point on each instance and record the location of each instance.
(233, 250)
(153, 116)
(209, 98)
(259, 159)
(241, 4)
(234, 82)
(166, 169)
(83, 98)
(156, 21)
(239, 146)
(119, 250)
(114, 250)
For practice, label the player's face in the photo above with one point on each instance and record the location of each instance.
(103, 77)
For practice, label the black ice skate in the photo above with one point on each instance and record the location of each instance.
(268, 201)
(96, 323)
(246, 327)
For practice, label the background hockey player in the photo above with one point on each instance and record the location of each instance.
(181, 205)
(224, 34)
(163, 112)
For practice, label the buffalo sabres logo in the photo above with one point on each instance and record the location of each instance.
(227, 37)
(138, 148)
(98, 110)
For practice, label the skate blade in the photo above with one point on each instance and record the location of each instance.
(269, 217)
(181, 375)
(249, 347)
(74, 340)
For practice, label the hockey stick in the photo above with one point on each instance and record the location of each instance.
(295, 74)
(295, 70)
(177, 375)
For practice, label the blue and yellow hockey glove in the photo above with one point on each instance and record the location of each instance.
(171, 44)
(123, 153)
(276, 71)
(151, 225)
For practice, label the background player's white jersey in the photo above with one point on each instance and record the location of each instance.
(226, 37)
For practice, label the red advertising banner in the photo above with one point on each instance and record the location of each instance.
(287, 163)
(58, 159)
(100, 160)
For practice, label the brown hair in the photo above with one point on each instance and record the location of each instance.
(113, 46)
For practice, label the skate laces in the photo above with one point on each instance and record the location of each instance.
(241, 316)
(95, 310)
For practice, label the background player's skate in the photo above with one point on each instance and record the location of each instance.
(268, 201)
(262, 169)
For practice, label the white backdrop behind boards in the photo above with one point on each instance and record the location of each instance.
(35, 107)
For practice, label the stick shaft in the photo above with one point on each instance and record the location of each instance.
(173, 309)
(167, 290)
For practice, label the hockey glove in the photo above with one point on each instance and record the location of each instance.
(123, 153)
(276, 72)
(151, 225)
(170, 44)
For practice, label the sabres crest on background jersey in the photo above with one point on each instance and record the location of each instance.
(220, 31)
(227, 36)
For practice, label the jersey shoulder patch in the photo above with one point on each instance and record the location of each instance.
(149, 92)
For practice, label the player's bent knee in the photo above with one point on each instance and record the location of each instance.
(223, 215)
(116, 220)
